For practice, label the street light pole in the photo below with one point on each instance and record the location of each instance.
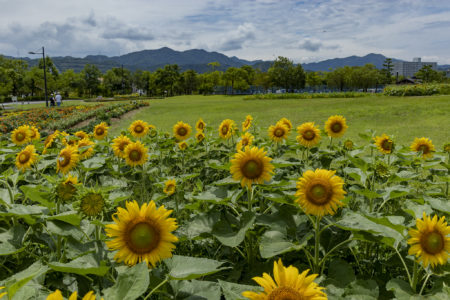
(45, 73)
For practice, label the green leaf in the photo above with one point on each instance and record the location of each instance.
(196, 290)
(35, 194)
(64, 229)
(186, 267)
(367, 193)
(217, 195)
(18, 280)
(366, 289)
(27, 212)
(11, 240)
(233, 291)
(94, 163)
(71, 217)
(201, 223)
(401, 289)
(341, 272)
(439, 204)
(275, 243)
(82, 266)
(226, 181)
(229, 237)
(357, 175)
(5, 197)
(130, 284)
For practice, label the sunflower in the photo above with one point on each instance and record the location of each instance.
(447, 148)
(200, 136)
(152, 131)
(251, 166)
(49, 141)
(2, 294)
(246, 140)
(182, 146)
(320, 192)
(335, 126)
(100, 131)
(92, 203)
(135, 154)
(34, 133)
(138, 128)
(200, 125)
(308, 134)
(169, 187)
(247, 123)
(26, 158)
(71, 180)
(142, 234)
(181, 131)
(67, 189)
(226, 128)
(423, 145)
(278, 133)
(56, 295)
(119, 145)
(384, 144)
(81, 135)
(288, 284)
(21, 135)
(348, 145)
(430, 241)
(86, 148)
(67, 159)
(286, 122)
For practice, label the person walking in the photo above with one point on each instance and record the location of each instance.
(58, 99)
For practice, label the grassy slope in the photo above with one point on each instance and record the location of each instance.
(405, 118)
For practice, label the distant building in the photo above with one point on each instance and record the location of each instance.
(410, 68)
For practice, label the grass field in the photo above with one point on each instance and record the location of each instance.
(402, 117)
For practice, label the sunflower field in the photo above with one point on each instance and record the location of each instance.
(292, 211)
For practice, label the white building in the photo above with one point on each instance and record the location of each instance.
(410, 68)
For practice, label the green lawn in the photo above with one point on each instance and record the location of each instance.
(402, 117)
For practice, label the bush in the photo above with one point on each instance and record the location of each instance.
(307, 95)
(417, 90)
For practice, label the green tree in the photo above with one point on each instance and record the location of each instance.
(284, 74)
(339, 78)
(386, 71)
(117, 81)
(313, 79)
(69, 82)
(214, 65)
(167, 79)
(189, 82)
(141, 80)
(91, 77)
(235, 78)
(262, 79)
(427, 74)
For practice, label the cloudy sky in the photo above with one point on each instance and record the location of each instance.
(305, 31)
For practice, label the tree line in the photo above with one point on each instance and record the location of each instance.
(18, 79)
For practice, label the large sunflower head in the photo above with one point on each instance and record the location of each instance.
(336, 126)
(384, 144)
(320, 192)
(26, 158)
(287, 284)
(138, 128)
(199, 136)
(200, 125)
(81, 135)
(430, 241)
(34, 133)
(226, 128)
(247, 123)
(286, 122)
(279, 132)
(181, 131)
(308, 134)
(169, 187)
(119, 145)
(21, 135)
(246, 140)
(182, 145)
(136, 154)
(66, 189)
(85, 148)
(251, 166)
(424, 146)
(142, 234)
(92, 203)
(57, 295)
(100, 131)
(67, 159)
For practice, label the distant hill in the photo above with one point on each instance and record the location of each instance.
(198, 59)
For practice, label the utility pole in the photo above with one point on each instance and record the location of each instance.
(45, 73)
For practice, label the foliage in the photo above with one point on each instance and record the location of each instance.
(417, 90)
(306, 95)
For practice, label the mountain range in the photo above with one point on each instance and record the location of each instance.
(196, 59)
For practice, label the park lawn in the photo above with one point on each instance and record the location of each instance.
(402, 117)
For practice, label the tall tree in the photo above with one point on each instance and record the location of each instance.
(313, 80)
(387, 71)
(91, 76)
(427, 74)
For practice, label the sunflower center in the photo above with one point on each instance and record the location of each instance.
(170, 188)
(336, 127)
(143, 237)
(433, 242)
(284, 293)
(244, 142)
(387, 145)
(278, 132)
(24, 157)
(138, 129)
(200, 126)
(33, 134)
(309, 135)
(224, 129)
(424, 149)
(182, 131)
(135, 155)
(122, 146)
(252, 169)
(92, 204)
(319, 193)
(64, 159)
(20, 136)
(153, 133)
(99, 131)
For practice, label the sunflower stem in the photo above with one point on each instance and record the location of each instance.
(317, 246)
(424, 283)
(157, 287)
(404, 265)
(415, 277)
